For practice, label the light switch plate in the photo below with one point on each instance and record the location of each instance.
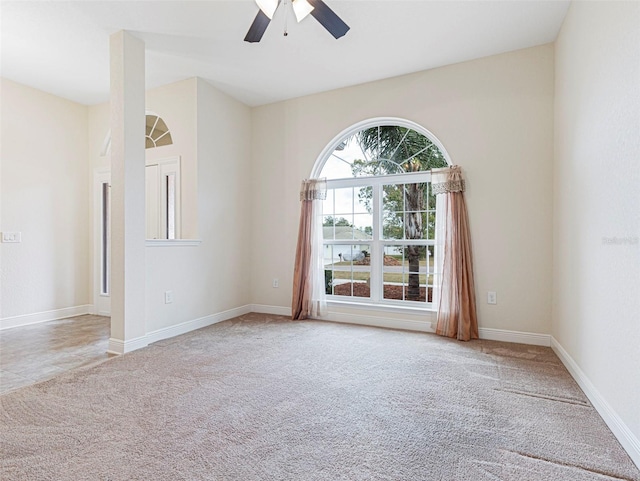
(11, 237)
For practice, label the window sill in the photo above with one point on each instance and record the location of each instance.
(172, 242)
(382, 308)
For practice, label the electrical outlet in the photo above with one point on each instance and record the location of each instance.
(276, 283)
(11, 237)
(168, 297)
(492, 297)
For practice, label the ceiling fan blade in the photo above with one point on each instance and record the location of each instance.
(259, 25)
(328, 18)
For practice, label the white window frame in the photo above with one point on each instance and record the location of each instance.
(157, 201)
(377, 243)
(376, 298)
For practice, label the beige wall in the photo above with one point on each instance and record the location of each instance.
(44, 190)
(211, 134)
(213, 277)
(596, 295)
(494, 117)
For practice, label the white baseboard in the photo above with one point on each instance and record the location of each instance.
(188, 326)
(515, 336)
(116, 346)
(27, 319)
(275, 310)
(345, 318)
(627, 439)
(375, 321)
(428, 325)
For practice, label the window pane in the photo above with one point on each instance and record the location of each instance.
(352, 271)
(328, 261)
(410, 200)
(414, 226)
(392, 198)
(327, 227)
(343, 229)
(164, 139)
(416, 258)
(327, 204)
(336, 168)
(382, 150)
(431, 224)
(159, 130)
(392, 270)
(408, 288)
(415, 196)
(415, 288)
(363, 199)
(430, 258)
(150, 121)
(106, 238)
(344, 202)
(405, 272)
(392, 225)
(170, 213)
(363, 226)
(432, 199)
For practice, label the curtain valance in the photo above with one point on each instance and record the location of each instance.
(446, 180)
(313, 189)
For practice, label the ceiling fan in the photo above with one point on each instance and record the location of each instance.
(301, 8)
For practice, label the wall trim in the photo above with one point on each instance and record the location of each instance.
(275, 310)
(375, 321)
(116, 346)
(428, 325)
(627, 439)
(35, 318)
(192, 325)
(518, 337)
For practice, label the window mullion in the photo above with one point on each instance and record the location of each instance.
(376, 250)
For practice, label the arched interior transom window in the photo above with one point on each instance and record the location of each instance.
(379, 218)
(157, 133)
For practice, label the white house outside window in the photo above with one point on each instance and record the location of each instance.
(379, 217)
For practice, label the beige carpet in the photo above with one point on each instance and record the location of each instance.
(263, 398)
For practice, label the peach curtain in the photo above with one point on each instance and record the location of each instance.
(457, 315)
(309, 299)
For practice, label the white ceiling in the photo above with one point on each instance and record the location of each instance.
(63, 47)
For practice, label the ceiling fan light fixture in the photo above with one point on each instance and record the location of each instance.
(301, 8)
(268, 7)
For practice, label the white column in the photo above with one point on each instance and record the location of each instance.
(127, 193)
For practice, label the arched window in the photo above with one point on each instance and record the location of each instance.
(379, 218)
(157, 133)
